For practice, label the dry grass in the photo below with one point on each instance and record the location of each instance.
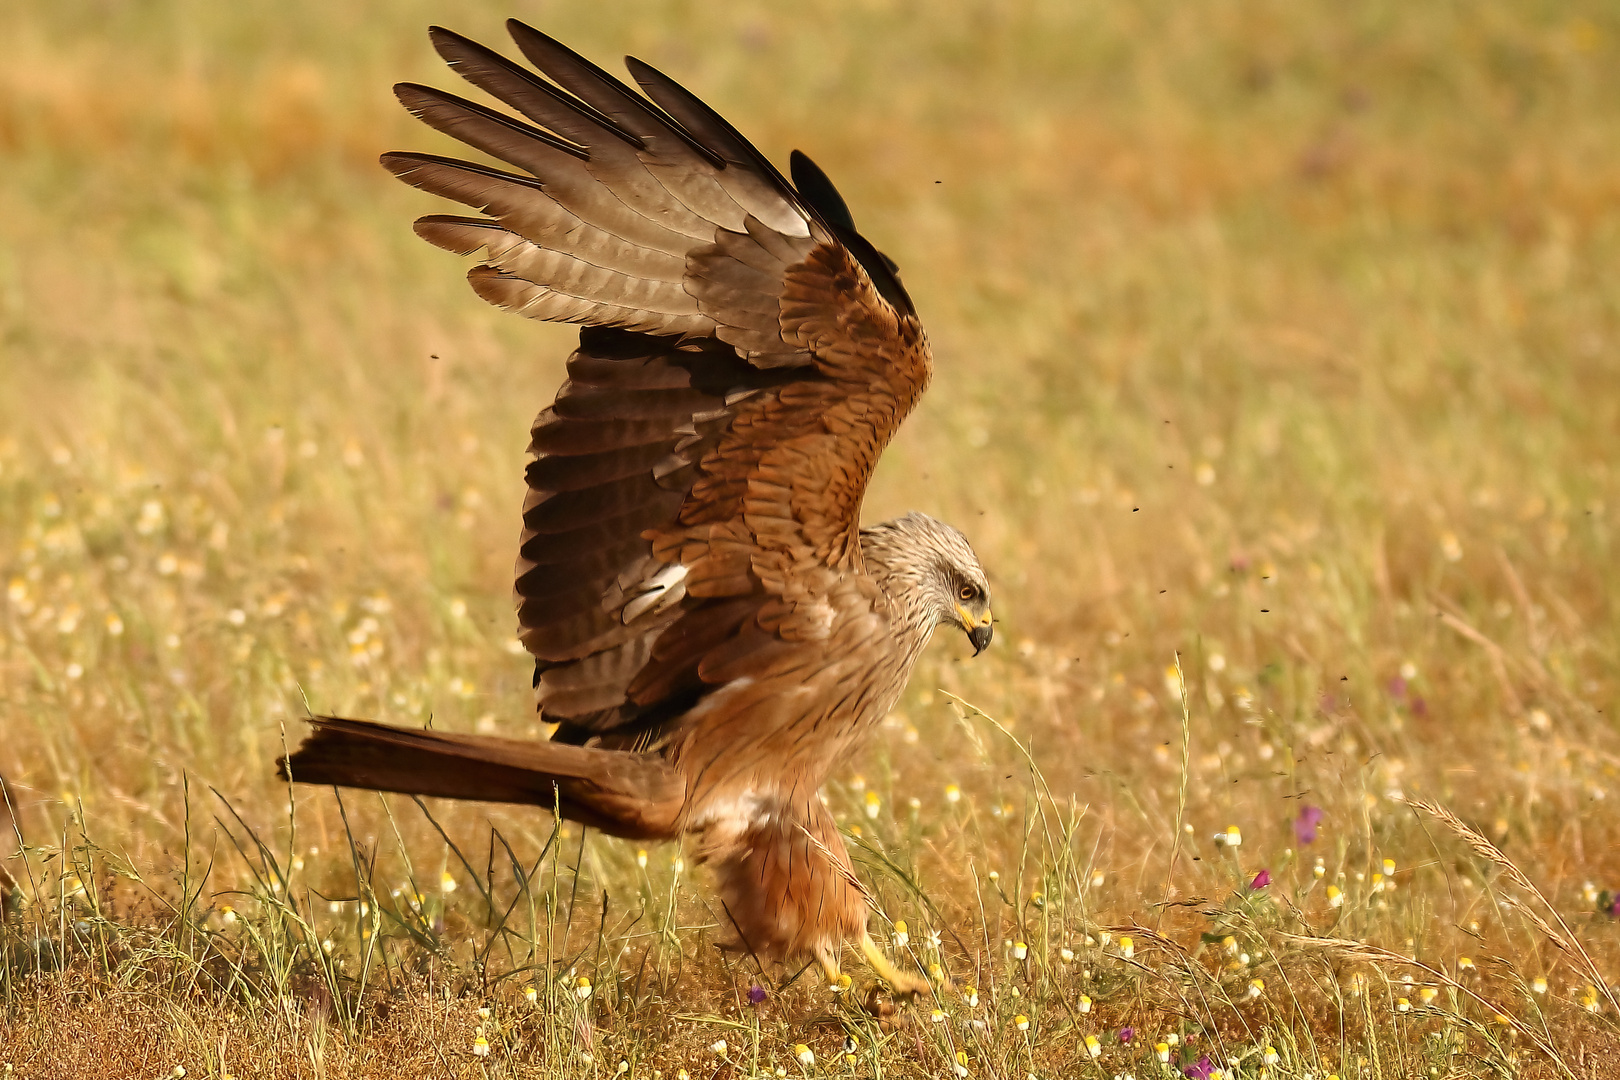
(1276, 341)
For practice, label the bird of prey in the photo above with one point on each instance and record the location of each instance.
(713, 631)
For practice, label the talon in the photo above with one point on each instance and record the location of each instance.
(903, 984)
(876, 1004)
(883, 1009)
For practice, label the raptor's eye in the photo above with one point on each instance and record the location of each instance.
(967, 592)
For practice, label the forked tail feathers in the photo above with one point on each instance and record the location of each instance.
(620, 792)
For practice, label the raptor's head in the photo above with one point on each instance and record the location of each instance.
(929, 567)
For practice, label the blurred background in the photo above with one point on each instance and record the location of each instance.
(1279, 337)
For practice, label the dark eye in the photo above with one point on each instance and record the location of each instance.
(967, 592)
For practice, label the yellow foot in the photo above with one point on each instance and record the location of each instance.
(904, 984)
(828, 960)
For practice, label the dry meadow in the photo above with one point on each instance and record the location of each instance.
(1278, 387)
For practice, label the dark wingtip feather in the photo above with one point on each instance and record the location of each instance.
(596, 87)
(817, 189)
(453, 47)
(399, 162)
(456, 234)
(547, 53)
(441, 36)
(706, 129)
(410, 95)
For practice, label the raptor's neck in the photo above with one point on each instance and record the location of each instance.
(902, 569)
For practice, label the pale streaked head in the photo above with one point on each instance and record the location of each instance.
(930, 567)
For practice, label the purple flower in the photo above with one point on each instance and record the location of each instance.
(1261, 880)
(1614, 907)
(1305, 825)
(1397, 688)
(1420, 707)
(1126, 1034)
(1200, 1071)
(756, 994)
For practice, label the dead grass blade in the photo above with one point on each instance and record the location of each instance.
(1374, 954)
(1564, 937)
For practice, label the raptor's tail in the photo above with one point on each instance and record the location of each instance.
(623, 793)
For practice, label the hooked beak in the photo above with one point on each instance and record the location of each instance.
(979, 631)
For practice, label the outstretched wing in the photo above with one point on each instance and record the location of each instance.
(694, 497)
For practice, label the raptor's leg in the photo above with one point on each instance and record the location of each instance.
(827, 959)
(902, 982)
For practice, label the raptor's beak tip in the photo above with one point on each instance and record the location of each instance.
(980, 636)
